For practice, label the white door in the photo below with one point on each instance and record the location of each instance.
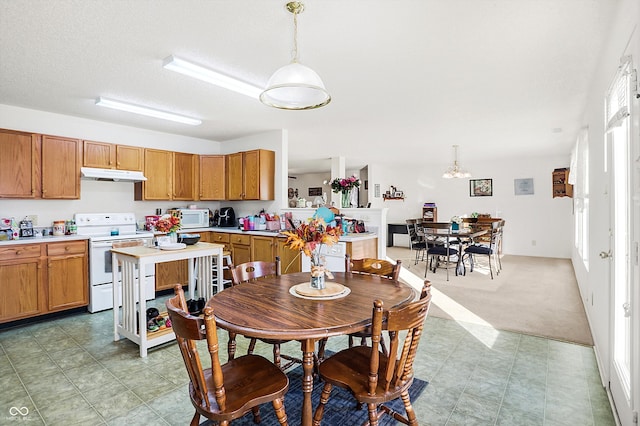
(623, 175)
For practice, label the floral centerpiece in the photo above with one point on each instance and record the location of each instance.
(309, 238)
(168, 224)
(345, 185)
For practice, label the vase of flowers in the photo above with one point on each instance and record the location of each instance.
(455, 222)
(308, 238)
(345, 185)
(169, 224)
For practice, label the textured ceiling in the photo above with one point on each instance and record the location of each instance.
(407, 78)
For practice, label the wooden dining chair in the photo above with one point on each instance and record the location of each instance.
(441, 248)
(223, 392)
(370, 266)
(372, 377)
(251, 271)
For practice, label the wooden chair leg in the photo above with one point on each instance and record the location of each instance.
(195, 421)
(231, 346)
(276, 354)
(324, 398)
(350, 341)
(252, 346)
(278, 407)
(256, 413)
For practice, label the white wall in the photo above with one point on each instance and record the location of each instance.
(594, 282)
(533, 218)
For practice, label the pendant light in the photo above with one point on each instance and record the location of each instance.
(455, 171)
(295, 86)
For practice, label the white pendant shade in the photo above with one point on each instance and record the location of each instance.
(295, 86)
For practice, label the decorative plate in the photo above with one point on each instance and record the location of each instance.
(172, 246)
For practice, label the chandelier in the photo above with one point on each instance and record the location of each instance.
(295, 86)
(455, 171)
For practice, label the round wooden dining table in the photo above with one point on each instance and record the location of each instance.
(267, 309)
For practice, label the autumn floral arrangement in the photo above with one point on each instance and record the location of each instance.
(168, 224)
(345, 184)
(308, 237)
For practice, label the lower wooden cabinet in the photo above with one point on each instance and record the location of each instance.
(168, 274)
(67, 276)
(263, 248)
(290, 260)
(363, 248)
(36, 279)
(240, 248)
(21, 282)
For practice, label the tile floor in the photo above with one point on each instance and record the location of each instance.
(68, 371)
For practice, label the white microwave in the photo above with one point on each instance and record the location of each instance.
(192, 218)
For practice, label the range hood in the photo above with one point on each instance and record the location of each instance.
(112, 175)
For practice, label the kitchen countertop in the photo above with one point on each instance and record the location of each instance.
(47, 239)
(345, 238)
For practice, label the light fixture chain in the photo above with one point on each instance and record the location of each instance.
(295, 36)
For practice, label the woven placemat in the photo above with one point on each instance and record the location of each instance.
(332, 290)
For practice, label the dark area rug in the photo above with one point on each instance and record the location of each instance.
(341, 409)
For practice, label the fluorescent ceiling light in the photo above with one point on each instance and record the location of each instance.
(137, 109)
(213, 77)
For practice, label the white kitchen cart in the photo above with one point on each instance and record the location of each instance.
(132, 324)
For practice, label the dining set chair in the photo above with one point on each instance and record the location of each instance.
(374, 374)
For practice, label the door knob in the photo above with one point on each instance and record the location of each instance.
(605, 254)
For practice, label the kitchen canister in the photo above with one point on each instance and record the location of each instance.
(58, 227)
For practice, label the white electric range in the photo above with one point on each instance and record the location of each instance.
(106, 230)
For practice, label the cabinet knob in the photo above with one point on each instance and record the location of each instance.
(18, 252)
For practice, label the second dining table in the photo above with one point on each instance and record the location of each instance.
(269, 308)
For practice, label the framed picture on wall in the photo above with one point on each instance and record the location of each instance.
(315, 192)
(481, 187)
(523, 186)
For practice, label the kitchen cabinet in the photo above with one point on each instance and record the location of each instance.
(67, 275)
(240, 248)
(168, 274)
(263, 248)
(36, 279)
(158, 169)
(170, 176)
(213, 177)
(185, 176)
(221, 238)
(61, 162)
(290, 260)
(21, 283)
(111, 156)
(250, 175)
(19, 164)
(363, 248)
(561, 185)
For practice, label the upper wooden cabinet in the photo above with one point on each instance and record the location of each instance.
(185, 176)
(61, 162)
(212, 177)
(170, 176)
(158, 169)
(250, 175)
(19, 164)
(111, 156)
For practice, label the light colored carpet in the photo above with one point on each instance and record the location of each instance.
(532, 295)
